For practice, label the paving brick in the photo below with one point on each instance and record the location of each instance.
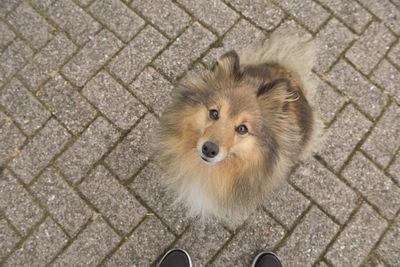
(263, 13)
(215, 15)
(8, 238)
(16, 204)
(331, 41)
(278, 204)
(3, 118)
(56, 52)
(186, 49)
(383, 142)
(152, 89)
(117, 17)
(92, 56)
(202, 241)
(373, 184)
(41, 5)
(351, 12)
(112, 199)
(20, 104)
(84, 3)
(13, 58)
(358, 88)
(90, 247)
(10, 141)
(386, 11)
(144, 246)
(289, 25)
(326, 189)
(134, 150)
(394, 54)
(35, 156)
(166, 16)
(7, 5)
(343, 135)
(387, 76)
(394, 169)
(135, 56)
(308, 12)
(308, 240)
(370, 47)
(73, 20)
(66, 104)
(87, 149)
(41, 247)
(148, 186)
(6, 36)
(260, 234)
(389, 248)
(33, 27)
(63, 203)
(355, 242)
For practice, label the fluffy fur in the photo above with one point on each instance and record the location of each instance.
(267, 89)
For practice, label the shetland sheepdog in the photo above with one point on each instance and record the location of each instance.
(235, 129)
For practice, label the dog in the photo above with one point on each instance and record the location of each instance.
(235, 129)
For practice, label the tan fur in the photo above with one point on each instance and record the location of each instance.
(267, 88)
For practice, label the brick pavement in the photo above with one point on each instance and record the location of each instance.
(83, 83)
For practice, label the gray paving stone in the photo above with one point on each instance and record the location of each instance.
(8, 238)
(148, 186)
(389, 248)
(92, 56)
(343, 136)
(73, 20)
(6, 35)
(202, 241)
(35, 156)
(41, 247)
(113, 100)
(16, 204)
(358, 88)
(394, 169)
(373, 184)
(355, 242)
(152, 89)
(263, 13)
(112, 199)
(62, 202)
(387, 76)
(84, 3)
(351, 12)
(20, 104)
(56, 52)
(32, 26)
(137, 54)
(289, 25)
(87, 149)
(186, 49)
(307, 12)
(144, 246)
(326, 189)
(370, 47)
(3, 118)
(11, 140)
(261, 233)
(383, 142)
(394, 54)
(41, 5)
(90, 247)
(66, 104)
(134, 150)
(280, 208)
(215, 15)
(117, 17)
(7, 5)
(331, 42)
(386, 11)
(13, 58)
(166, 16)
(308, 240)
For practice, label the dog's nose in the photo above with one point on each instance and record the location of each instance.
(210, 149)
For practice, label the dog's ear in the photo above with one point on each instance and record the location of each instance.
(277, 93)
(228, 64)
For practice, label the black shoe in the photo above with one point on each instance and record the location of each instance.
(176, 258)
(266, 259)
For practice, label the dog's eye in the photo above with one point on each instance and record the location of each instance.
(242, 129)
(213, 114)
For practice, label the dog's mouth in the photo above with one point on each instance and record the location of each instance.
(205, 159)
